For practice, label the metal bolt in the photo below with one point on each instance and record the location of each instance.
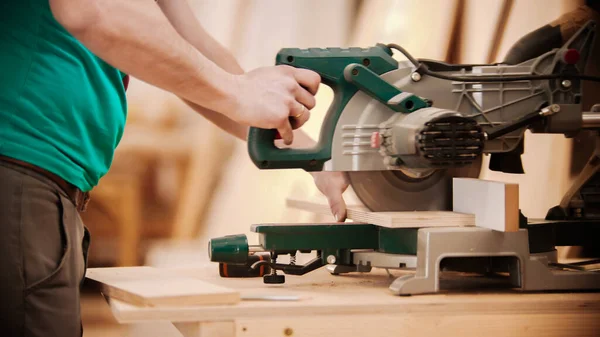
(415, 76)
(566, 83)
(550, 110)
(331, 259)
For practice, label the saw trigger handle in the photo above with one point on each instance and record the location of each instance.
(330, 64)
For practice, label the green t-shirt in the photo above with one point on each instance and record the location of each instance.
(61, 107)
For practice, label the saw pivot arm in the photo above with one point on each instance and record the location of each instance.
(367, 81)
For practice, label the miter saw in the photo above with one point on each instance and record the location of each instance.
(402, 131)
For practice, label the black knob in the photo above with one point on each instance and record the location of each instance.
(274, 279)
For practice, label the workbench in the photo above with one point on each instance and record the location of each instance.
(361, 305)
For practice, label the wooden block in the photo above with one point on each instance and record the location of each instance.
(147, 286)
(390, 219)
(495, 204)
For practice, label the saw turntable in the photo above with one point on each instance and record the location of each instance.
(405, 132)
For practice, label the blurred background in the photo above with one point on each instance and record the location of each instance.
(177, 180)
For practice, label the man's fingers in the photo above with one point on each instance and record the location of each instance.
(299, 118)
(308, 79)
(305, 98)
(286, 133)
(337, 206)
(333, 185)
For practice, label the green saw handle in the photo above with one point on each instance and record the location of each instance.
(330, 64)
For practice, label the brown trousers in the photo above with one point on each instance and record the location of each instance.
(43, 256)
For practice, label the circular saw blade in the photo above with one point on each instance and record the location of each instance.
(388, 191)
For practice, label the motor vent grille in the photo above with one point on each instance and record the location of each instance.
(451, 141)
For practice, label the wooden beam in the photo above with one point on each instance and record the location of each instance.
(494, 204)
(470, 324)
(390, 219)
(207, 329)
(507, 6)
(456, 34)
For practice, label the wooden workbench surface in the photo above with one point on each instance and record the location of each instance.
(361, 305)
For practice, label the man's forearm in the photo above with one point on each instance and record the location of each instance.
(136, 37)
(185, 22)
(223, 122)
(187, 25)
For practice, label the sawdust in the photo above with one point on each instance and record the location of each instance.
(337, 284)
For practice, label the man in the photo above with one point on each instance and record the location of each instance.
(64, 67)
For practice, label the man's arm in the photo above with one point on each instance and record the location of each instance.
(182, 18)
(136, 37)
(185, 22)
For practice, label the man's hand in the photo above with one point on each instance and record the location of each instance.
(278, 97)
(333, 185)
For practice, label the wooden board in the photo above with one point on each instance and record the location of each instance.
(495, 204)
(361, 305)
(146, 286)
(390, 219)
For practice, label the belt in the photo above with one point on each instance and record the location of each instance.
(79, 198)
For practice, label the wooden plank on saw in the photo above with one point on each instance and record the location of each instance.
(495, 204)
(147, 286)
(417, 219)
